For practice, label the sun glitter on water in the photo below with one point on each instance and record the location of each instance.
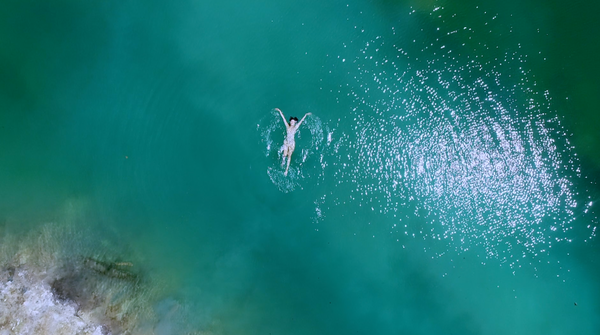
(454, 129)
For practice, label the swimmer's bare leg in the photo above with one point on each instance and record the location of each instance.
(288, 164)
(283, 154)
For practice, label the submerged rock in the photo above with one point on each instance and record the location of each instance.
(111, 269)
(29, 306)
(46, 287)
(57, 279)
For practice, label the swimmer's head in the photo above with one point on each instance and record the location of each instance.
(293, 120)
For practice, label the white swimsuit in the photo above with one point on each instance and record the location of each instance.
(289, 144)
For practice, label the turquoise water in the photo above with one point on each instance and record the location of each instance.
(445, 183)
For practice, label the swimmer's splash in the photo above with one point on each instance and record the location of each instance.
(279, 139)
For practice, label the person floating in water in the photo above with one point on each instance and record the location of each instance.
(289, 144)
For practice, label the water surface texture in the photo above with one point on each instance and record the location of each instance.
(445, 183)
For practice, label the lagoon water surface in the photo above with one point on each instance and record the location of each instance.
(445, 182)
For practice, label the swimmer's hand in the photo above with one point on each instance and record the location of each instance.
(282, 116)
(304, 117)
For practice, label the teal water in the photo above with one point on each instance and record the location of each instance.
(445, 183)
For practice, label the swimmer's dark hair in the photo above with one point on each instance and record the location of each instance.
(293, 118)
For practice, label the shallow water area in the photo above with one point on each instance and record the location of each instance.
(57, 280)
(444, 183)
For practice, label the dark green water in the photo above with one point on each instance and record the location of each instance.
(445, 183)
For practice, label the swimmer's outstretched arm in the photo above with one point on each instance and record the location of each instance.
(282, 116)
(304, 117)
